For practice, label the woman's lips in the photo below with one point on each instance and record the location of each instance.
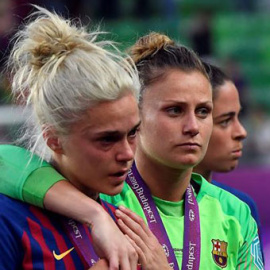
(237, 153)
(190, 146)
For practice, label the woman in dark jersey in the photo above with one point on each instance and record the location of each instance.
(227, 136)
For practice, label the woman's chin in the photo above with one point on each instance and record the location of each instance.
(114, 190)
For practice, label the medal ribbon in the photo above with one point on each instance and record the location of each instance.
(80, 239)
(192, 236)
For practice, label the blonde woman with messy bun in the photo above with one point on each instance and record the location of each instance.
(84, 121)
(198, 225)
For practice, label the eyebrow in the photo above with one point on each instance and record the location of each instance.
(229, 114)
(137, 125)
(183, 102)
(116, 132)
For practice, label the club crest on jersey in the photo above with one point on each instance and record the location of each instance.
(219, 252)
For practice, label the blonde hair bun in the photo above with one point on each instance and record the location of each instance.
(60, 70)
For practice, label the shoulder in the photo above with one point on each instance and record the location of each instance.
(238, 193)
(18, 163)
(228, 203)
(215, 191)
(12, 222)
(13, 219)
(227, 209)
(11, 206)
(11, 156)
(242, 196)
(17, 212)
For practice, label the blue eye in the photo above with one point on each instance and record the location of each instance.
(225, 122)
(203, 112)
(174, 111)
(108, 139)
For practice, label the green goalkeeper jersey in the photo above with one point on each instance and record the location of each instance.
(229, 237)
(228, 232)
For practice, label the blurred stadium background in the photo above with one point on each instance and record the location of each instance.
(235, 34)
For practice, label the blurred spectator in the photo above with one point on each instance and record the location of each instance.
(263, 5)
(245, 5)
(201, 35)
(22, 9)
(169, 9)
(71, 8)
(142, 9)
(5, 96)
(12, 12)
(259, 139)
(7, 25)
(109, 9)
(233, 69)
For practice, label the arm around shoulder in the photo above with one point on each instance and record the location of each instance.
(22, 172)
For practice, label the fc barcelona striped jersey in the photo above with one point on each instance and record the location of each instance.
(32, 238)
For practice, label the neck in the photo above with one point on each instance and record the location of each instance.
(164, 182)
(207, 174)
(87, 191)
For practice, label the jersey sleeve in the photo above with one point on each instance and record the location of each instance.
(250, 254)
(24, 176)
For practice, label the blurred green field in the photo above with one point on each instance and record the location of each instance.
(242, 36)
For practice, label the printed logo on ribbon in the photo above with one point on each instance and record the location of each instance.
(219, 252)
(93, 261)
(166, 250)
(191, 215)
